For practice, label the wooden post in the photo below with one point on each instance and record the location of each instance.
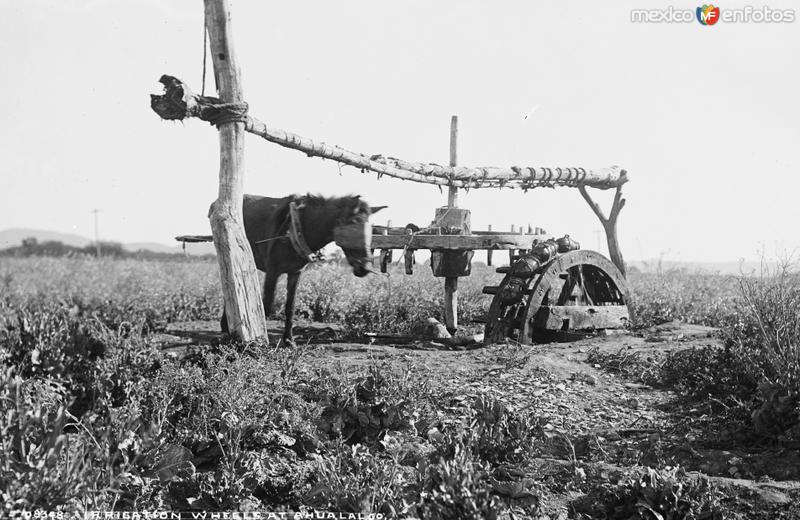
(511, 252)
(609, 224)
(243, 305)
(452, 191)
(489, 252)
(451, 282)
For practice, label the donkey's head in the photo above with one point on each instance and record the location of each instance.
(353, 233)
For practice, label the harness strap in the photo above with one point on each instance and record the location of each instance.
(295, 234)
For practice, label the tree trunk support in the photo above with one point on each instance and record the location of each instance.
(609, 224)
(243, 305)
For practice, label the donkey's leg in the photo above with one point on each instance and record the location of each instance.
(223, 321)
(268, 297)
(291, 288)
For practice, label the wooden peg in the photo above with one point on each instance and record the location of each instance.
(410, 261)
(386, 259)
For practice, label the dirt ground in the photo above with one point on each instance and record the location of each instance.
(599, 419)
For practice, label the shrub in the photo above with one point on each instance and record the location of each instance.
(354, 480)
(767, 343)
(362, 407)
(667, 493)
(44, 467)
(457, 487)
(676, 294)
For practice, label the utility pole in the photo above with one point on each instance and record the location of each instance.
(96, 232)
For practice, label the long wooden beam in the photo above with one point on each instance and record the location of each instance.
(456, 242)
(403, 241)
(179, 102)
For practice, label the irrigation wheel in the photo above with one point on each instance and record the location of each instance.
(576, 291)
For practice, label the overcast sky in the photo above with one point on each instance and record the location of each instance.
(704, 118)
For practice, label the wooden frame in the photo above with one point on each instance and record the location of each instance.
(237, 270)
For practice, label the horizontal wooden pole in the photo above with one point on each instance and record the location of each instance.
(455, 242)
(384, 230)
(194, 238)
(179, 102)
(395, 239)
(524, 177)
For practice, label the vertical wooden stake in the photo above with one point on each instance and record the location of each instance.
(451, 282)
(452, 191)
(489, 252)
(243, 305)
(511, 251)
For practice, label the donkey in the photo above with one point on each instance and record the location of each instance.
(267, 223)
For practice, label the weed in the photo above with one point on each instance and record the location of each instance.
(667, 493)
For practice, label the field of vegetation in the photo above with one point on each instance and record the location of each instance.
(95, 416)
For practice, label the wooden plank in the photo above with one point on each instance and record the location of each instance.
(582, 318)
(456, 242)
(240, 288)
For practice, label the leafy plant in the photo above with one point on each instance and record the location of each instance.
(654, 495)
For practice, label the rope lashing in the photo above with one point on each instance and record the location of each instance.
(223, 113)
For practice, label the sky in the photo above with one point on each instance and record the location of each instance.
(705, 119)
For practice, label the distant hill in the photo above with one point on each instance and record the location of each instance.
(733, 268)
(197, 248)
(13, 237)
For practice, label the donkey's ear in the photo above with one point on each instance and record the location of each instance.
(375, 209)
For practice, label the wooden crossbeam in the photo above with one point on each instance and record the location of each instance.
(456, 242)
(179, 102)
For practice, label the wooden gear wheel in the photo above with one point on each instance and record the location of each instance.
(578, 290)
